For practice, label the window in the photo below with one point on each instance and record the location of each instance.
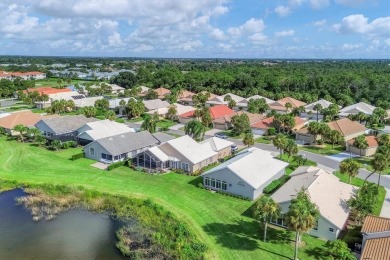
(218, 184)
(316, 225)
(207, 181)
(184, 166)
(213, 183)
(224, 186)
(116, 157)
(331, 230)
(92, 151)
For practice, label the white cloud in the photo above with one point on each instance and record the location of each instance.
(249, 27)
(115, 40)
(320, 23)
(350, 47)
(318, 4)
(358, 23)
(217, 34)
(285, 33)
(295, 2)
(258, 38)
(282, 10)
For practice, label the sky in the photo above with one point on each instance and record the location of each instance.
(197, 28)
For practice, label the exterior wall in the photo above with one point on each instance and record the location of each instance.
(235, 185)
(258, 131)
(306, 138)
(172, 152)
(48, 133)
(98, 151)
(184, 121)
(204, 163)
(313, 116)
(322, 228)
(224, 152)
(42, 105)
(352, 136)
(220, 126)
(365, 152)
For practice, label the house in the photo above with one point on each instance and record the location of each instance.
(215, 112)
(369, 151)
(244, 103)
(326, 191)
(162, 92)
(25, 118)
(182, 153)
(225, 122)
(87, 102)
(220, 100)
(261, 127)
(221, 146)
(357, 108)
(309, 109)
(181, 109)
(280, 105)
(119, 147)
(115, 89)
(153, 106)
(144, 91)
(115, 104)
(46, 90)
(246, 174)
(347, 128)
(185, 97)
(376, 238)
(163, 137)
(67, 95)
(23, 75)
(95, 130)
(62, 128)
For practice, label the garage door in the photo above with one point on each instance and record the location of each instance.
(257, 131)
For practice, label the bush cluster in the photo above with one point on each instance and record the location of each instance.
(68, 144)
(77, 156)
(115, 165)
(275, 184)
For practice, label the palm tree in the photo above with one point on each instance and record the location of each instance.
(150, 123)
(349, 167)
(334, 136)
(40, 139)
(379, 163)
(265, 209)
(360, 143)
(231, 104)
(248, 139)
(380, 113)
(302, 216)
(314, 129)
(279, 142)
(291, 148)
(317, 107)
(110, 115)
(288, 106)
(122, 105)
(89, 111)
(56, 145)
(172, 112)
(33, 132)
(21, 129)
(195, 129)
(384, 140)
(70, 105)
(227, 98)
(206, 117)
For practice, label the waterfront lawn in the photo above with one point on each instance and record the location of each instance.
(219, 221)
(325, 149)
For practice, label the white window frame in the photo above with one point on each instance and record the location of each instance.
(92, 151)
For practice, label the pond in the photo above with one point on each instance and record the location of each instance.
(76, 234)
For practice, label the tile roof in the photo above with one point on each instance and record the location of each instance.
(356, 108)
(26, 118)
(46, 90)
(161, 92)
(346, 126)
(155, 104)
(113, 103)
(373, 224)
(376, 249)
(325, 189)
(66, 124)
(255, 166)
(20, 74)
(281, 103)
(253, 118)
(86, 102)
(101, 129)
(267, 123)
(267, 100)
(220, 111)
(163, 137)
(186, 94)
(371, 140)
(220, 99)
(324, 103)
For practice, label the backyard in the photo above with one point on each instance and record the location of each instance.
(220, 221)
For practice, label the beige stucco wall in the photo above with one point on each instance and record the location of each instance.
(351, 136)
(365, 152)
(224, 152)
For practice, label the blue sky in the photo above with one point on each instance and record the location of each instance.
(197, 29)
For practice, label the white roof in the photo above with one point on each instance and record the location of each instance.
(155, 104)
(103, 128)
(220, 99)
(191, 150)
(86, 102)
(267, 100)
(159, 153)
(181, 109)
(255, 166)
(217, 144)
(356, 108)
(115, 102)
(325, 190)
(324, 103)
(114, 87)
(144, 89)
(64, 95)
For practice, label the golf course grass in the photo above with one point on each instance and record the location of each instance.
(221, 222)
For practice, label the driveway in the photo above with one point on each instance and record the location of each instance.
(342, 156)
(176, 127)
(212, 132)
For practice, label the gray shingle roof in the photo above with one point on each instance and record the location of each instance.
(67, 124)
(163, 137)
(127, 142)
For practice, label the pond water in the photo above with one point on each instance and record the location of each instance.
(76, 234)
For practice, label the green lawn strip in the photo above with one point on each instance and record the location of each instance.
(134, 120)
(264, 140)
(366, 164)
(326, 149)
(220, 221)
(166, 123)
(359, 182)
(52, 82)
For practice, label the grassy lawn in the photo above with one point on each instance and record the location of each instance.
(365, 162)
(52, 82)
(264, 140)
(221, 222)
(359, 182)
(134, 120)
(325, 149)
(293, 164)
(165, 123)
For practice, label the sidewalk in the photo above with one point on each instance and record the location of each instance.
(386, 205)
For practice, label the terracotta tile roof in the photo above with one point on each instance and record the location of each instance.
(46, 90)
(4, 74)
(263, 124)
(374, 224)
(212, 96)
(186, 94)
(371, 140)
(161, 92)
(188, 114)
(376, 249)
(346, 126)
(26, 118)
(220, 111)
(253, 118)
(304, 130)
(281, 103)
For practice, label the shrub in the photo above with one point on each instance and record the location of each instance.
(116, 165)
(77, 156)
(320, 142)
(200, 185)
(232, 195)
(120, 120)
(271, 131)
(275, 184)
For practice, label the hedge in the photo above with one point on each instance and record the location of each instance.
(77, 156)
(276, 184)
(116, 165)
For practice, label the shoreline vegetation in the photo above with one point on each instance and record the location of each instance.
(153, 233)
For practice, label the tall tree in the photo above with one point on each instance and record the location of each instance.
(22, 130)
(265, 209)
(360, 143)
(150, 123)
(248, 139)
(334, 137)
(349, 167)
(379, 163)
(280, 142)
(317, 107)
(110, 115)
(195, 129)
(172, 112)
(291, 148)
(240, 124)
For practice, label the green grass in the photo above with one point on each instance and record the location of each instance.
(293, 164)
(221, 222)
(165, 123)
(134, 120)
(264, 140)
(326, 149)
(52, 82)
(365, 163)
(359, 182)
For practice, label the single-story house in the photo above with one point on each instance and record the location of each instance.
(261, 127)
(46, 90)
(95, 130)
(369, 151)
(115, 104)
(244, 103)
(357, 108)
(310, 109)
(219, 145)
(115, 89)
(25, 118)
(185, 97)
(347, 128)
(280, 105)
(215, 112)
(220, 100)
(181, 109)
(144, 91)
(326, 191)
(119, 147)
(153, 106)
(163, 137)
(376, 238)
(62, 128)
(182, 153)
(86, 102)
(66, 95)
(225, 122)
(162, 92)
(246, 174)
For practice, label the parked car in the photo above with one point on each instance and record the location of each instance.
(234, 147)
(221, 135)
